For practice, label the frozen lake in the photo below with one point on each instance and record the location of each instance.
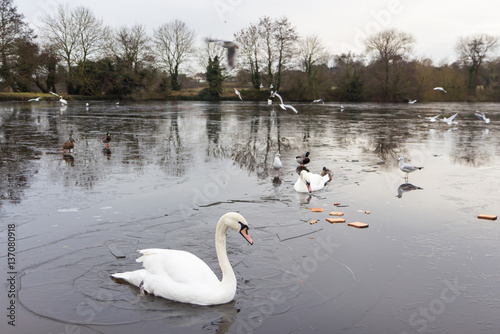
(425, 264)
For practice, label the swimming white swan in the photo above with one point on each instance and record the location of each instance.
(308, 182)
(183, 277)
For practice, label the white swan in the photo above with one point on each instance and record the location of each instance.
(308, 182)
(183, 277)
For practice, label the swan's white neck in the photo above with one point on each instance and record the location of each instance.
(228, 277)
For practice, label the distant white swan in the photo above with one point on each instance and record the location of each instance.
(183, 277)
(308, 182)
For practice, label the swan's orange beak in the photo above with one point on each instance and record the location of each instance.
(244, 233)
(308, 185)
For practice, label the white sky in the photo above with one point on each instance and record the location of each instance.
(341, 24)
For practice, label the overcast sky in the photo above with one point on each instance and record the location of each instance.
(342, 25)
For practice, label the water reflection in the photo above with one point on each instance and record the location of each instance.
(170, 135)
(406, 187)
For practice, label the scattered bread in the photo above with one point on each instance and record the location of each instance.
(484, 216)
(313, 222)
(317, 209)
(336, 213)
(335, 220)
(368, 212)
(358, 225)
(336, 204)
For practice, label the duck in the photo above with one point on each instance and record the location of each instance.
(277, 162)
(328, 172)
(183, 277)
(303, 159)
(309, 182)
(69, 145)
(106, 139)
(407, 168)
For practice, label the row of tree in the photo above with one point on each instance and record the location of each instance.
(78, 54)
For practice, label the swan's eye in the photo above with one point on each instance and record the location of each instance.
(243, 226)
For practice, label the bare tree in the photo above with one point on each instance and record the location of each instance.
(249, 40)
(311, 54)
(389, 47)
(76, 35)
(13, 30)
(266, 29)
(174, 43)
(473, 51)
(132, 45)
(286, 37)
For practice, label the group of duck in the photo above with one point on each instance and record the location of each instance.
(70, 144)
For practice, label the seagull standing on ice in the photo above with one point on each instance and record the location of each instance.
(407, 168)
(450, 120)
(441, 89)
(238, 93)
(231, 50)
(277, 163)
(482, 116)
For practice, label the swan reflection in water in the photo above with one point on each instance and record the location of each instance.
(405, 187)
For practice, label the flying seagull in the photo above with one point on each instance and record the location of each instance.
(287, 106)
(441, 89)
(54, 94)
(278, 95)
(231, 50)
(431, 119)
(318, 101)
(407, 168)
(34, 100)
(412, 101)
(482, 116)
(238, 93)
(450, 120)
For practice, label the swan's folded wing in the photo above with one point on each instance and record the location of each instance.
(179, 265)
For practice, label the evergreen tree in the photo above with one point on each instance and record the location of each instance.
(214, 77)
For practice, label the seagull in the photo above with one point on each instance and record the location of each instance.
(34, 100)
(271, 86)
(286, 106)
(303, 159)
(238, 93)
(231, 50)
(431, 119)
(407, 168)
(87, 104)
(318, 101)
(341, 108)
(278, 95)
(482, 116)
(412, 101)
(441, 89)
(54, 94)
(277, 163)
(261, 86)
(450, 120)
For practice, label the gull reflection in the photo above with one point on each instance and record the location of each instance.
(405, 187)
